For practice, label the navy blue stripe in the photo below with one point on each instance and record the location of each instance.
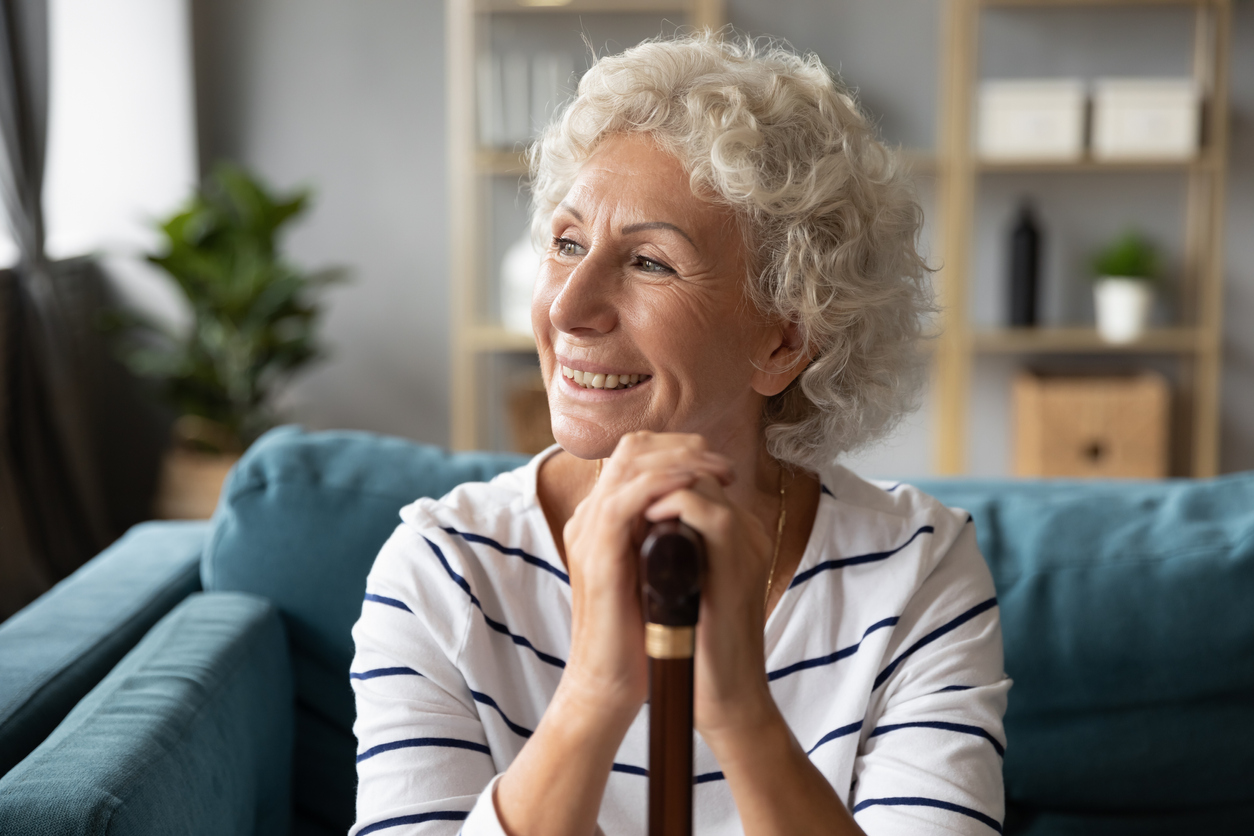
(893, 488)
(955, 688)
(391, 602)
(831, 657)
(629, 769)
(422, 743)
(907, 801)
(416, 818)
(495, 625)
(539, 563)
(377, 672)
(824, 489)
(854, 561)
(933, 636)
(522, 731)
(970, 519)
(835, 733)
(707, 777)
(961, 728)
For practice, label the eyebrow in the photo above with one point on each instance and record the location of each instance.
(627, 230)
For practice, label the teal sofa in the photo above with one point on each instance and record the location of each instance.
(193, 678)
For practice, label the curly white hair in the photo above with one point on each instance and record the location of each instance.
(828, 215)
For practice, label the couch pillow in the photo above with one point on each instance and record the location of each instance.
(1128, 615)
(300, 522)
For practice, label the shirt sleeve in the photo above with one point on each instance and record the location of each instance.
(423, 762)
(931, 755)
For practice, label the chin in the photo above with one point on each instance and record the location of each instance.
(582, 439)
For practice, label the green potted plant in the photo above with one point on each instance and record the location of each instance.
(1123, 292)
(253, 320)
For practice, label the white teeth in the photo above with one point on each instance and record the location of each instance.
(588, 380)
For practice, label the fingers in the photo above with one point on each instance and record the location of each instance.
(640, 451)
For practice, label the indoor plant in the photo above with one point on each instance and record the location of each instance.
(1123, 291)
(253, 322)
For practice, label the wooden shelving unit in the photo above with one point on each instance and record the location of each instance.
(474, 339)
(1196, 343)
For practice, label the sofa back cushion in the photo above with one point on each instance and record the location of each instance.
(300, 521)
(1128, 615)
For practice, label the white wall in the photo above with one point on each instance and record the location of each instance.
(350, 96)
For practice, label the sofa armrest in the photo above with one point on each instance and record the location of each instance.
(56, 649)
(191, 733)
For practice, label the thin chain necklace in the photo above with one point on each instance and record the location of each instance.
(779, 531)
(779, 536)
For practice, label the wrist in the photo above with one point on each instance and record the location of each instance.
(759, 737)
(593, 708)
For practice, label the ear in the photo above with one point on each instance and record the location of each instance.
(780, 361)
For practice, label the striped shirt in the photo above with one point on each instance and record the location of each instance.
(884, 655)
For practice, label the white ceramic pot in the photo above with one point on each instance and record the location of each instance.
(1123, 307)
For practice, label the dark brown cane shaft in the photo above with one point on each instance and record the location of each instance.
(672, 568)
(670, 747)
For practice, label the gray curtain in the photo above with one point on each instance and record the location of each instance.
(53, 513)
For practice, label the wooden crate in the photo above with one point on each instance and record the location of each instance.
(530, 424)
(1091, 426)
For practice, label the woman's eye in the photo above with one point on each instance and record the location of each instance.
(648, 265)
(565, 246)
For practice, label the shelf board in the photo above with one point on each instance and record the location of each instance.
(505, 162)
(486, 338)
(1089, 165)
(583, 6)
(1081, 341)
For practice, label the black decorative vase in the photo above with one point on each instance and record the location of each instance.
(1025, 268)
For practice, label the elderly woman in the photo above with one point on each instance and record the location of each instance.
(730, 297)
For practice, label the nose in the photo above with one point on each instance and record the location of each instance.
(584, 304)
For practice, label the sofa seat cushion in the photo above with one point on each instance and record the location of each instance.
(1128, 615)
(300, 522)
(189, 734)
(55, 650)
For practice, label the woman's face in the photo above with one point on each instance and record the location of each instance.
(640, 312)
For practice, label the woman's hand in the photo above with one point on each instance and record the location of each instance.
(603, 537)
(731, 697)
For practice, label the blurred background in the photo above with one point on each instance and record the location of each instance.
(350, 173)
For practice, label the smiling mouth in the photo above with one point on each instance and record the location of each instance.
(588, 380)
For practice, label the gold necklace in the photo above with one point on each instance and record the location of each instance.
(779, 536)
(779, 531)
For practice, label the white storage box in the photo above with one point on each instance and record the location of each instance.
(1145, 118)
(1031, 120)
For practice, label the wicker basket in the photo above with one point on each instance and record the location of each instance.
(1091, 426)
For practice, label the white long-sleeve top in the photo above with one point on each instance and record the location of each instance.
(884, 655)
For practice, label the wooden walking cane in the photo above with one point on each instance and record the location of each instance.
(672, 570)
